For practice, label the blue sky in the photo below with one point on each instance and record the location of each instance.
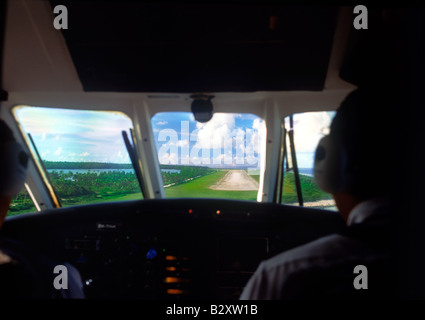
(309, 128)
(227, 140)
(74, 135)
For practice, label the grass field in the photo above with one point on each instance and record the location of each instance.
(85, 200)
(111, 198)
(16, 212)
(310, 190)
(256, 177)
(199, 188)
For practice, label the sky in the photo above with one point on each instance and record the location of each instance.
(75, 135)
(177, 135)
(228, 140)
(309, 128)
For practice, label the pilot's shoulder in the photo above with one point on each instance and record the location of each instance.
(323, 250)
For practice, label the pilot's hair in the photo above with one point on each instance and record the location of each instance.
(363, 125)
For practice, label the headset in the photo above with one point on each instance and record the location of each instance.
(13, 168)
(330, 164)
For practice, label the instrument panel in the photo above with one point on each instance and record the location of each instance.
(168, 249)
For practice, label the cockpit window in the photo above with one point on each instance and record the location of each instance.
(81, 153)
(302, 132)
(217, 159)
(22, 203)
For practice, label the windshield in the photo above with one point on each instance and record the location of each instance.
(217, 159)
(81, 152)
(302, 134)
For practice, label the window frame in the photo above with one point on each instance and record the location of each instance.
(284, 152)
(261, 158)
(46, 196)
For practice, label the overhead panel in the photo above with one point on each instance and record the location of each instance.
(157, 47)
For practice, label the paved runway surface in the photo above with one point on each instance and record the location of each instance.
(236, 180)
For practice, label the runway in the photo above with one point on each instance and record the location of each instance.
(236, 180)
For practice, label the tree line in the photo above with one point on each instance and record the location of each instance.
(65, 165)
(76, 184)
(185, 173)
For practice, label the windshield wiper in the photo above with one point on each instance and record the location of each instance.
(46, 174)
(281, 172)
(294, 161)
(133, 158)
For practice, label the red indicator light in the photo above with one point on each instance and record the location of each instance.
(190, 211)
(218, 212)
(176, 291)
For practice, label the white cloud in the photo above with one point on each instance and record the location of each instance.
(228, 143)
(183, 143)
(84, 154)
(161, 123)
(168, 158)
(218, 159)
(58, 151)
(309, 129)
(45, 153)
(216, 132)
(258, 124)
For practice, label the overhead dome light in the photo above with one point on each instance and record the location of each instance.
(202, 107)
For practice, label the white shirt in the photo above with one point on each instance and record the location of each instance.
(268, 280)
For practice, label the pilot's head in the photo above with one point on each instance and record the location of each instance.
(13, 165)
(355, 161)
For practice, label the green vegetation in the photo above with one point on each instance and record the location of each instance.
(74, 188)
(22, 203)
(83, 188)
(90, 187)
(184, 174)
(64, 165)
(200, 188)
(310, 190)
(256, 177)
(102, 198)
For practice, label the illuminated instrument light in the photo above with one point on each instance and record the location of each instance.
(173, 258)
(175, 269)
(151, 254)
(218, 212)
(273, 22)
(89, 282)
(190, 211)
(171, 280)
(174, 280)
(176, 291)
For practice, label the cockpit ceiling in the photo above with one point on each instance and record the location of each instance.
(152, 47)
